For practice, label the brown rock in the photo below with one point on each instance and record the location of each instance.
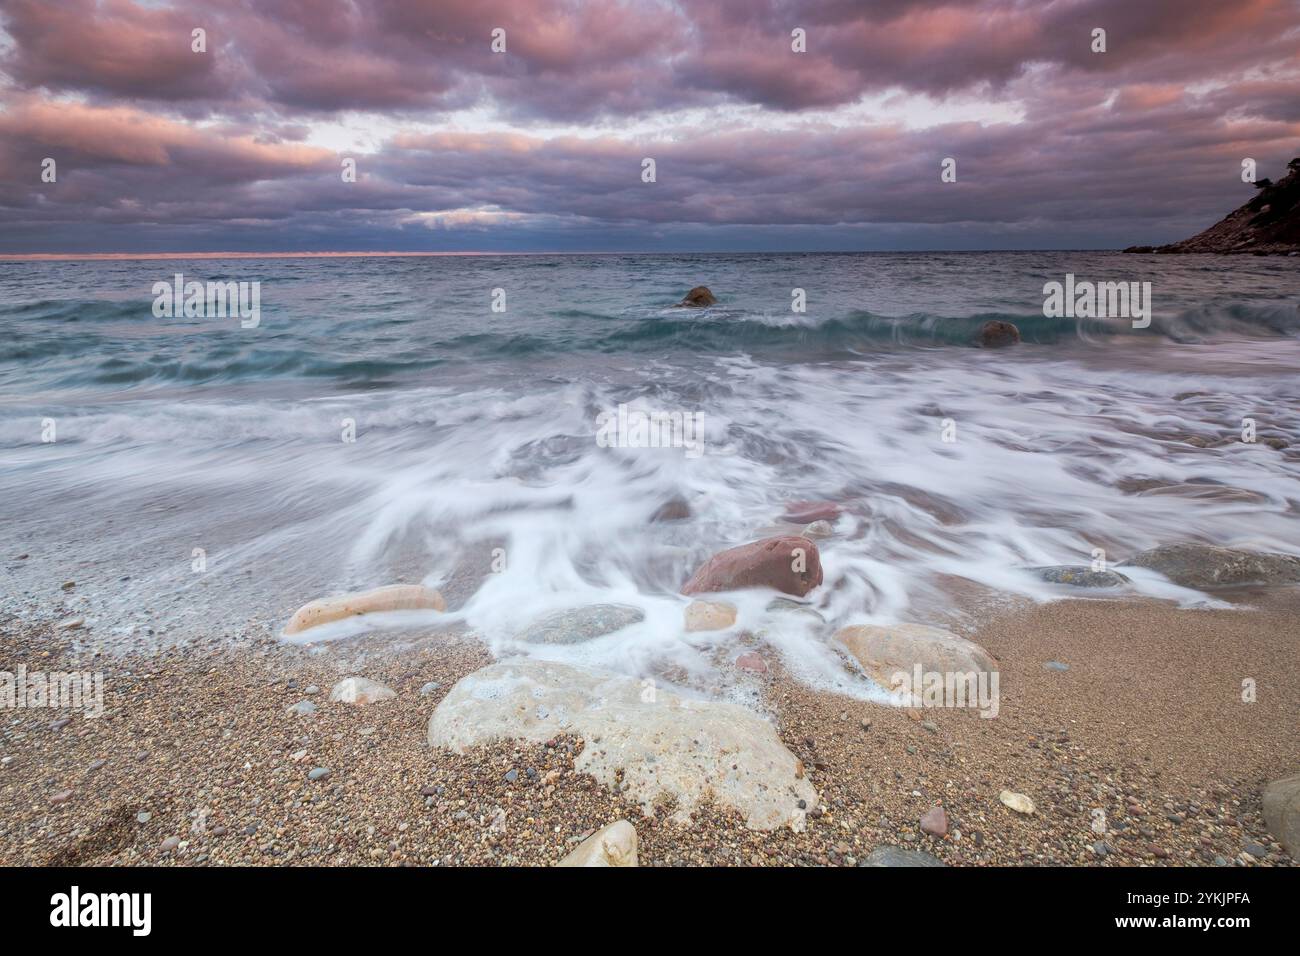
(788, 563)
(674, 509)
(806, 512)
(996, 334)
(752, 662)
(698, 298)
(709, 616)
(935, 822)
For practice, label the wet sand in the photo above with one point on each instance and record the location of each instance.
(1146, 726)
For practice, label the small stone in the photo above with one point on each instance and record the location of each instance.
(220, 830)
(1017, 801)
(95, 765)
(930, 726)
(70, 624)
(709, 616)
(63, 796)
(752, 662)
(169, 844)
(318, 773)
(144, 816)
(819, 529)
(1255, 850)
(1056, 666)
(512, 775)
(429, 688)
(896, 856)
(60, 723)
(359, 690)
(935, 822)
(311, 690)
(69, 585)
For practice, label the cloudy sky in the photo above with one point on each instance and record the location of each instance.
(540, 148)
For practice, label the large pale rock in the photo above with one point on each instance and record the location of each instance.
(359, 690)
(709, 616)
(663, 745)
(1282, 812)
(1017, 802)
(579, 624)
(1202, 566)
(788, 563)
(397, 597)
(614, 845)
(884, 651)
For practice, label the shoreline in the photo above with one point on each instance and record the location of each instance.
(1146, 726)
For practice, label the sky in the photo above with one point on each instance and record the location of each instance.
(241, 146)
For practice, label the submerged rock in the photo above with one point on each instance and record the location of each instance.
(397, 597)
(806, 512)
(614, 845)
(1282, 812)
(1080, 576)
(996, 334)
(359, 690)
(698, 298)
(674, 509)
(1203, 566)
(895, 856)
(885, 651)
(788, 563)
(788, 606)
(579, 624)
(709, 616)
(648, 741)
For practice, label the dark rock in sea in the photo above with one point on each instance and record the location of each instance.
(698, 298)
(1269, 224)
(575, 625)
(1080, 576)
(1203, 566)
(788, 563)
(674, 509)
(896, 856)
(1282, 812)
(806, 512)
(995, 334)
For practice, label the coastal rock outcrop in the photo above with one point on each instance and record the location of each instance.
(1268, 224)
(884, 651)
(579, 624)
(396, 597)
(1282, 812)
(649, 742)
(613, 845)
(996, 334)
(1204, 566)
(788, 563)
(698, 298)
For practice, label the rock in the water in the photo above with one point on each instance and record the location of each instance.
(996, 334)
(818, 529)
(614, 845)
(788, 563)
(709, 616)
(359, 690)
(805, 512)
(885, 651)
(935, 822)
(1282, 812)
(1203, 566)
(788, 606)
(398, 597)
(575, 625)
(663, 744)
(1017, 801)
(752, 662)
(698, 298)
(1080, 576)
(895, 856)
(674, 509)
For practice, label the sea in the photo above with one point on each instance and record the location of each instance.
(505, 427)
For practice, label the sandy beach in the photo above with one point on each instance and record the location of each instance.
(196, 760)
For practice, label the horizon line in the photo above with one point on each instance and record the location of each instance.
(360, 254)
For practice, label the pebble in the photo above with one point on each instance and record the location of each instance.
(934, 822)
(512, 775)
(95, 765)
(70, 624)
(63, 796)
(429, 688)
(170, 844)
(318, 773)
(1056, 666)
(60, 723)
(311, 689)
(1017, 801)
(302, 708)
(144, 816)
